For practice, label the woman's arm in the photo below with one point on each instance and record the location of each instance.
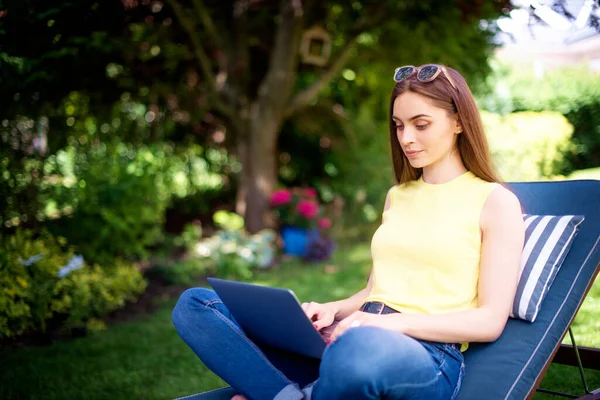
(502, 243)
(342, 308)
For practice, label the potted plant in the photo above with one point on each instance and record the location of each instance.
(300, 217)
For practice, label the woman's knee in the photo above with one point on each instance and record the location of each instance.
(363, 356)
(375, 344)
(189, 301)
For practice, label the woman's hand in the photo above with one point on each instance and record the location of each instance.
(321, 315)
(360, 318)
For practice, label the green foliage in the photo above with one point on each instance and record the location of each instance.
(119, 209)
(27, 279)
(591, 173)
(95, 291)
(574, 92)
(42, 285)
(185, 272)
(190, 235)
(135, 67)
(528, 146)
(119, 195)
(228, 221)
(365, 171)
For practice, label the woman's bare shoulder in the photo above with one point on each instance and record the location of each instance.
(500, 204)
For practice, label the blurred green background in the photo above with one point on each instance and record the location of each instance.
(140, 141)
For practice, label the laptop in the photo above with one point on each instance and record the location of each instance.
(270, 315)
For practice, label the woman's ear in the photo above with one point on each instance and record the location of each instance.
(458, 128)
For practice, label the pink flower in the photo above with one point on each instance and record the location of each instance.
(281, 197)
(324, 223)
(307, 208)
(310, 192)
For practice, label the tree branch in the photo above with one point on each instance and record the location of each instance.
(201, 57)
(310, 93)
(283, 62)
(376, 15)
(199, 53)
(213, 33)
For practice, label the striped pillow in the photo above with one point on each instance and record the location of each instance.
(548, 239)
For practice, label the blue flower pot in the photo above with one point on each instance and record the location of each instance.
(295, 240)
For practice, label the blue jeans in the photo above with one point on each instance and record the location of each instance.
(364, 363)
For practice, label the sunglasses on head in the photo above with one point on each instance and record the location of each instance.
(425, 73)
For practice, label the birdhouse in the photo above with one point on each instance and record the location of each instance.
(315, 47)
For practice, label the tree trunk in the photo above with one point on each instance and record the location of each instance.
(265, 115)
(259, 173)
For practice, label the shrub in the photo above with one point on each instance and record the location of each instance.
(43, 285)
(108, 199)
(120, 205)
(191, 234)
(185, 272)
(96, 291)
(365, 172)
(528, 145)
(573, 92)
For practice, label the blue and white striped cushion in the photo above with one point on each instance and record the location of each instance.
(548, 239)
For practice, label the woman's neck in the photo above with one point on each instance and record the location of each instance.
(442, 172)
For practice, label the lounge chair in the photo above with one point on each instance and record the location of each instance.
(513, 366)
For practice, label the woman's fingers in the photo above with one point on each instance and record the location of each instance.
(326, 331)
(304, 306)
(352, 321)
(310, 309)
(339, 329)
(321, 322)
(318, 314)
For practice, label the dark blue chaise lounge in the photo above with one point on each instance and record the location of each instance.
(513, 366)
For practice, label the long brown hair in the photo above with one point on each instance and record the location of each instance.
(472, 143)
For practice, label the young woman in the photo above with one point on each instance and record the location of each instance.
(445, 269)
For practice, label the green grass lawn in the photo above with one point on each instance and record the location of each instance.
(145, 359)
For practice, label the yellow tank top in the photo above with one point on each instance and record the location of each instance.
(427, 250)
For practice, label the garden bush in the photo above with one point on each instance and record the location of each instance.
(528, 145)
(119, 195)
(364, 173)
(573, 92)
(119, 209)
(44, 286)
